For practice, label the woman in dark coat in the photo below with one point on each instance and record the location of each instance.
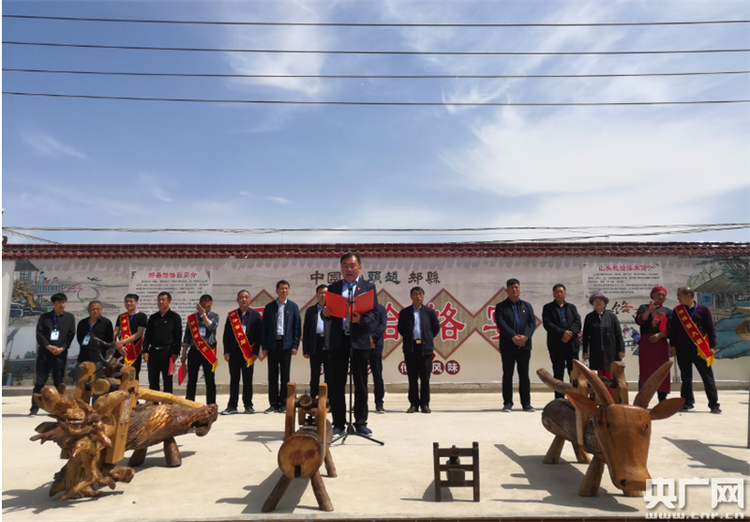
(602, 337)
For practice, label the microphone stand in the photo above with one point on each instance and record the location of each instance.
(350, 429)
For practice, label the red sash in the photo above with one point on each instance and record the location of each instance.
(200, 342)
(239, 334)
(704, 350)
(132, 351)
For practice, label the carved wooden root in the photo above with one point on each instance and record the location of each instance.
(559, 417)
(85, 433)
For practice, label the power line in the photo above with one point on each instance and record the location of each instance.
(374, 76)
(354, 24)
(432, 53)
(423, 104)
(264, 231)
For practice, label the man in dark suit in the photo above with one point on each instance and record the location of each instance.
(563, 324)
(242, 326)
(516, 324)
(376, 357)
(162, 343)
(350, 334)
(418, 326)
(280, 337)
(315, 335)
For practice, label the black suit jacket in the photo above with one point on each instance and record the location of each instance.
(555, 330)
(505, 321)
(310, 330)
(378, 329)
(360, 331)
(429, 328)
(253, 333)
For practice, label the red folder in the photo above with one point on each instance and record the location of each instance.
(181, 374)
(363, 303)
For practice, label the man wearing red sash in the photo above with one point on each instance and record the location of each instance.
(200, 340)
(693, 337)
(241, 349)
(653, 348)
(129, 333)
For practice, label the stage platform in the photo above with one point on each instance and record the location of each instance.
(228, 474)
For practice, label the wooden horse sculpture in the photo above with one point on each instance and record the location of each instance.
(94, 438)
(617, 434)
(304, 451)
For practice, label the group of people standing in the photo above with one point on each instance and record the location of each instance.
(349, 344)
(687, 333)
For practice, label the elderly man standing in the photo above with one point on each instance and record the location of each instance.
(241, 350)
(516, 323)
(93, 326)
(563, 325)
(55, 331)
(693, 337)
(199, 348)
(161, 345)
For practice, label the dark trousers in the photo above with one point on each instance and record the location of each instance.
(685, 360)
(279, 362)
(158, 365)
(512, 357)
(561, 358)
(195, 362)
(46, 363)
(316, 360)
(418, 368)
(137, 365)
(376, 367)
(238, 368)
(359, 361)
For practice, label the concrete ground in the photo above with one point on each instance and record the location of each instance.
(228, 474)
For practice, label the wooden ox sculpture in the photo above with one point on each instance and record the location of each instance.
(617, 434)
(94, 438)
(304, 451)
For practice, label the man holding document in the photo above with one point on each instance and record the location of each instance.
(350, 333)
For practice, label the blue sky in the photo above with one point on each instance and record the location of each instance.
(83, 163)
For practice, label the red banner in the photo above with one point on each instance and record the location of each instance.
(200, 342)
(239, 334)
(704, 350)
(132, 351)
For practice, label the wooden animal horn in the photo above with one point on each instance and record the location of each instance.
(651, 385)
(556, 384)
(596, 383)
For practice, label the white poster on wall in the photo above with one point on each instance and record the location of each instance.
(622, 279)
(185, 285)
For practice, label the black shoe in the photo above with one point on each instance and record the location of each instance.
(281, 410)
(412, 409)
(507, 408)
(716, 410)
(426, 409)
(688, 407)
(528, 407)
(230, 411)
(249, 410)
(379, 408)
(271, 409)
(363, 430)
(33, 412)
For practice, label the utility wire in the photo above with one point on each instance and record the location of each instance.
(699, 227)
(435, 53)
(353, 24)
(401, 104)
(372, 76)
(27, 236)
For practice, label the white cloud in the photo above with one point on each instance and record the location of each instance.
(48, 146)
(281, 200)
